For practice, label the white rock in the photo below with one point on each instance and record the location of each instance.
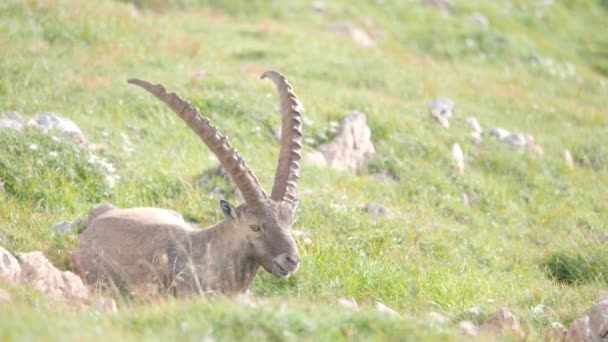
(598, 319)
(376, 210)
(382, 308)
(47, 121)
(468, 328)
(43, 276)
(557, 333)
(315, 158)
(579, 330)
(65, 227)
(503, 320)
(437, 317)
(465, 199)
(12, 120)
(105, 304)
(442, 106)
(351, 145)
(480, 20)
(472, 121)
(349, 303)
(9, 267)
(568, 159)
(458, 157)
(5, 297)
(360, 36)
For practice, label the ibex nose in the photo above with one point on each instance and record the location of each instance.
(293, 259)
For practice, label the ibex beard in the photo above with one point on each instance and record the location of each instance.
(138, 247)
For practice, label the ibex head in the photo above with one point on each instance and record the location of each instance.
(262, 225)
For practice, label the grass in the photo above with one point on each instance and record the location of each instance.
(532, 234)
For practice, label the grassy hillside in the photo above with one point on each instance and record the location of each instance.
(533, 233)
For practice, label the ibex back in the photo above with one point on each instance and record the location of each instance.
(139, 247)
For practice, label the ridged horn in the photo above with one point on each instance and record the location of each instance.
(288, 165)
(234, 164)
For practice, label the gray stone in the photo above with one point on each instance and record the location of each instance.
(598, 319)
(579, 330)
(9, 267)
(352, 144)
(376, 210)
(43, 276)
(12, 120)
(65, 227)
(47, 121)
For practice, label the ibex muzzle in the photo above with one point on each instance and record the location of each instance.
(138, 246)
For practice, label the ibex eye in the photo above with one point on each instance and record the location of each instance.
(255, 227)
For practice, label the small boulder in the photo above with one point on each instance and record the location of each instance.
(65, 227)
(503, 320)
(442, 109)
(43, 276)
(382, 308)
(557, 333)
(480, 20)
(349, 303)
(598, 319)
(376, 210)
(579, 330)
(568, 159)
(358, 35)
(468, 328)
(351, 145)
(47, 121)
(458, 157)
(5, 297)
(12, 120)
(10, 270)
(105, 304)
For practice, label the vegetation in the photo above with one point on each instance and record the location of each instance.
(533, 233)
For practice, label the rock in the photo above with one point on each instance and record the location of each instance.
(351, 145)
(360, 36)
(12, 120)
(513, 139)
(442, 110)
(568, 159)
(443, 106)
(5, 297)
(382, 308)
(318, 6)
(47, 121)
(475, 126)
(465, 199)
(598, 319)
(315, 158)
(65, 227)
(468, 328)
(557, 333)
(349, 303)
(10, 270)
(376, 210)
(442, 5)
(437, 317)
(533, 147)
(105, 304)
(503, 320)
(579, 330)
(458, 157)
(43, 276)
(480, 20)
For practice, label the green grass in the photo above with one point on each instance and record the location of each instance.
(532, 234)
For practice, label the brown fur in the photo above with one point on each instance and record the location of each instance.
(132, 248)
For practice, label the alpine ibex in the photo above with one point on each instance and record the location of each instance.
(128, 248)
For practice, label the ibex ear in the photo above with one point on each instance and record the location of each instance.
(228, 209)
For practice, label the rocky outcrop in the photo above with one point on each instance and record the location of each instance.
(350, 147)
